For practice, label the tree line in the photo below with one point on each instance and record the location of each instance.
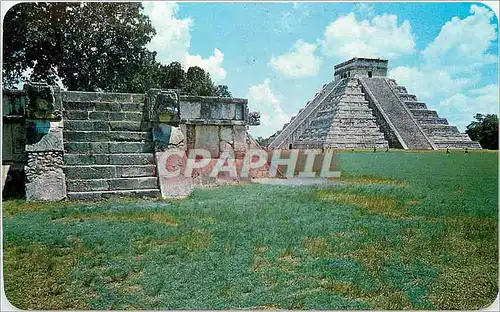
(92, 47)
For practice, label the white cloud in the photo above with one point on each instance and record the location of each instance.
(463, 44)
(429, 84)
(364, 9)
(346, 37)
(213, 64)
(461, 108)
(173, 39)
(451, 69)
(299, 62)
(293, 17)
(262, 98)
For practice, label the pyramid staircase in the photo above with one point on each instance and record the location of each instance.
(344, 120)
(298, 124)
(437, 129)
(403, 124)
(108, 146)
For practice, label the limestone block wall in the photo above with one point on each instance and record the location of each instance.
(93, 145)
(213, 124)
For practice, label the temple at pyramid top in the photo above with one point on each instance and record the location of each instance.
(363, 108)
(361, 67)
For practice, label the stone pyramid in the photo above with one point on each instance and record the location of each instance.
(363, 108)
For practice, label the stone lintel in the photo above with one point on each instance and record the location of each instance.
(212, 99)
(83, 96)
(218, 122)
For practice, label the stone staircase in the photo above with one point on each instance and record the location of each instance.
(292, 130)
(344, 120)
(108, 146)
(437, 129)
(404, 123)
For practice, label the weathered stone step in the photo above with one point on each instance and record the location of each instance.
(354, 138)
(455, 137)
(102, 115)
(103, 106)
(109, 159)
(352, 98)
(407, 97)
(395, 111)
(354, 92)
(424, 113)
(347, 109)
(108, 147)
(356, 145)
(431, 129)
(355, 128)
(415, 105)
(356, 132)
(458, 145)
(85, 172)
(400, 89)
(363, 116)
(98, 195)
(106, 136)
(432, 121)
(112, 184)
(102, 125)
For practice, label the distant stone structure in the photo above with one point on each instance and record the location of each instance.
(93, 145)
(363, 108)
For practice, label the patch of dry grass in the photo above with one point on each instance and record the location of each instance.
(316, 246)
(377, 204)
(138, 216)
(370, 180)
(196, 239)
(36, 277)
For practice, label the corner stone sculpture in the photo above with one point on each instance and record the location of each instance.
(45, 179)
(165, 118)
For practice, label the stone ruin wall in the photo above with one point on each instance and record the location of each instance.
(216, 124)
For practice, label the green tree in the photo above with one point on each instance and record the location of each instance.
(484, 130)
(90, 46)
(172, 76)
(194, 81)
(198, 82)
(222, 91)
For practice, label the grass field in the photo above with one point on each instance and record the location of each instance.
(404, 230)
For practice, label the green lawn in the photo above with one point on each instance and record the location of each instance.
(405, 230)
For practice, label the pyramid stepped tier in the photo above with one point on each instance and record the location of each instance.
(362, 108)
(108, 148)
(437, 129)
(343, 121)
(415, 105)
(398, 117)
(292, 130)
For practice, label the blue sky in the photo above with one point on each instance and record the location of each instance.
(278, 55)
